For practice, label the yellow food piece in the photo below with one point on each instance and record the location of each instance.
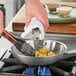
(43, 50)
(43, 53)
(38, 54)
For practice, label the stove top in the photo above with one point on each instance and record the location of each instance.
(12, 67)
(9, 66)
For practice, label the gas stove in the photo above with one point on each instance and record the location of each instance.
(9, 66)
(12, 67)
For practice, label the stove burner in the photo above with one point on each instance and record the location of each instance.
(29, 71)
(38, 71)
(44, 71)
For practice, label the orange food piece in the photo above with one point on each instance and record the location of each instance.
(38, 54)
(51, 53)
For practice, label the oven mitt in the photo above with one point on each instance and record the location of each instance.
(1, 22)
(34, 9)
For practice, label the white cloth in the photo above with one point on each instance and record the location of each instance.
(35, 23)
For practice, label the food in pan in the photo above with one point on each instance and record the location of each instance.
(43, 52)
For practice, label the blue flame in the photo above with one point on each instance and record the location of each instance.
(44, 71)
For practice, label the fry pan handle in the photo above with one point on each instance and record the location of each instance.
(15, 50)
(68, 55)
(9, 36)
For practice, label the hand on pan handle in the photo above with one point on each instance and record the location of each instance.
(34, 9)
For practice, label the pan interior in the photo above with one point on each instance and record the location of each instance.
(51, 45)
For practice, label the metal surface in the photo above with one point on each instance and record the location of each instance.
(67, 39)
(57, 47)
(36, 37)
(38, 44)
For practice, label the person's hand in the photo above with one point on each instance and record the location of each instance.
(1, 22)
(35, 17)
(34, 8)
